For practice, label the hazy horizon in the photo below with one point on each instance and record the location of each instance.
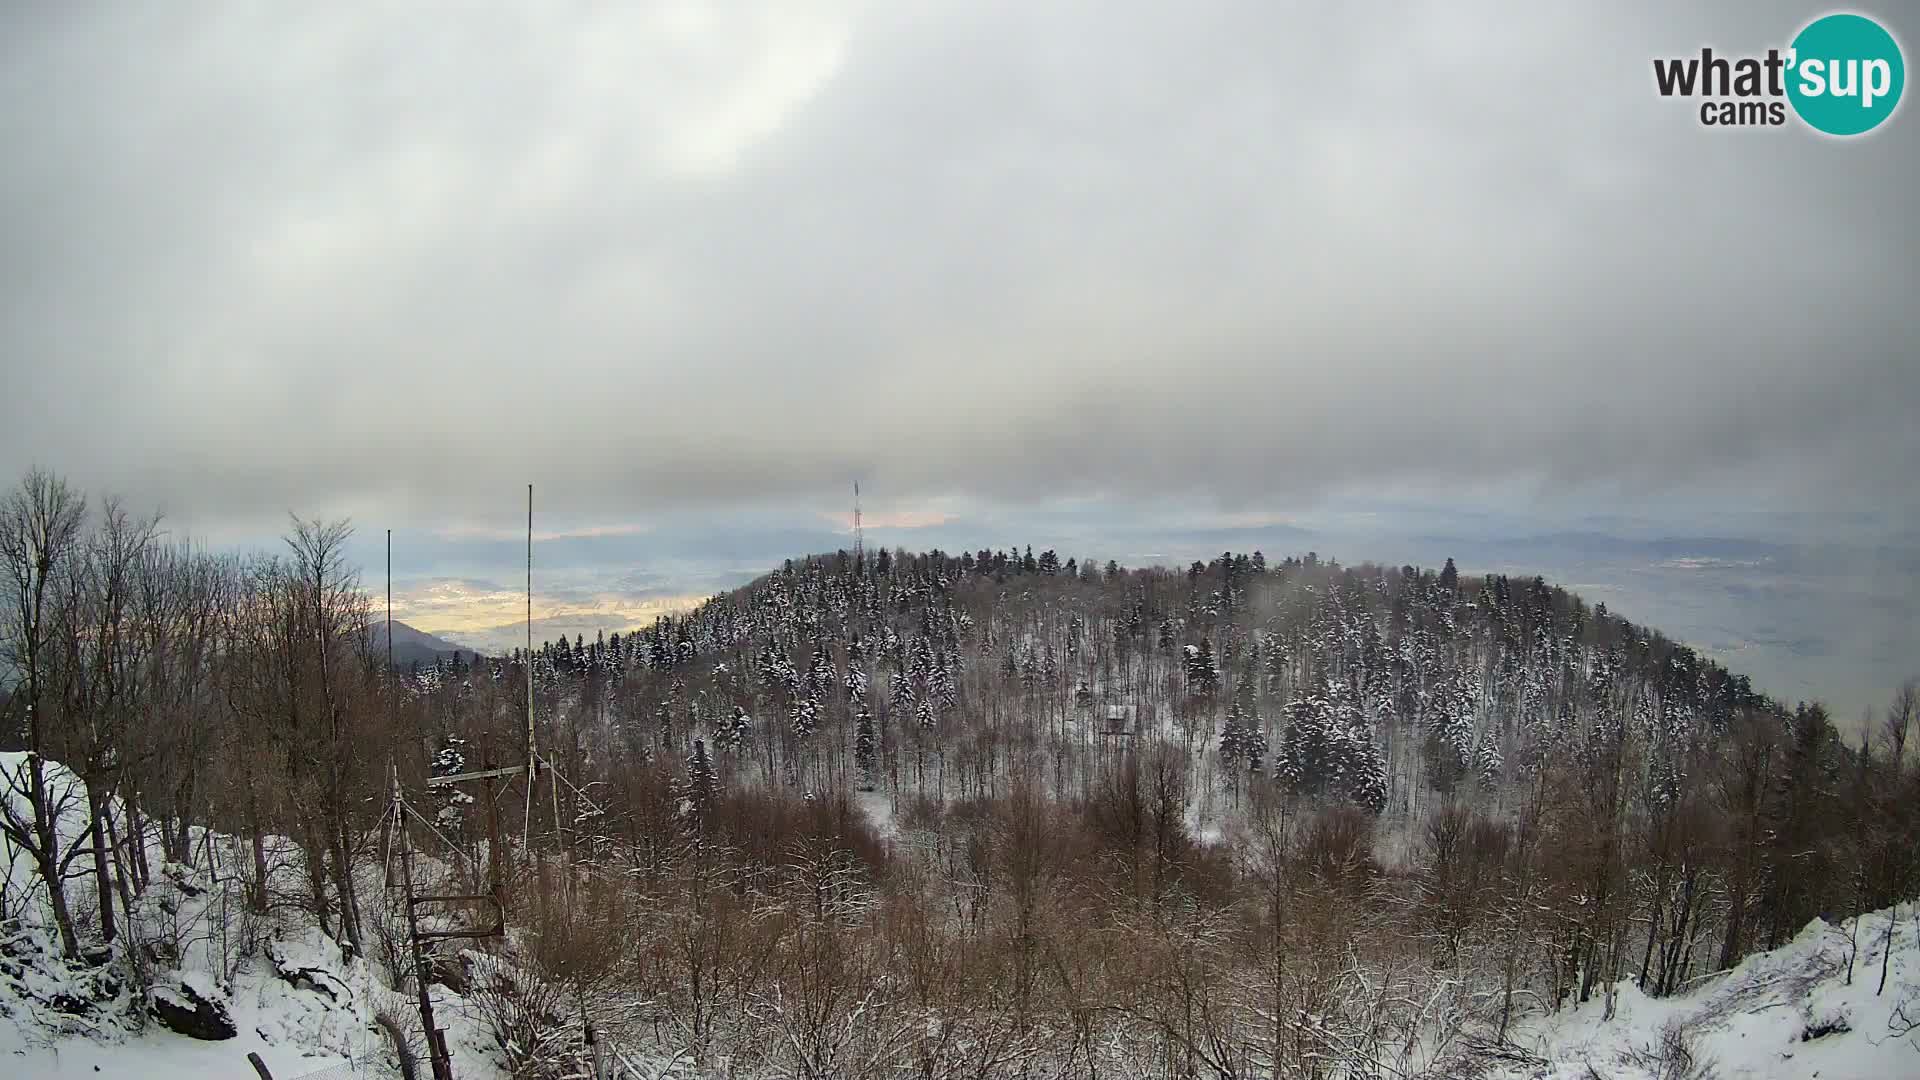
(1810, 607)
(1101, 276)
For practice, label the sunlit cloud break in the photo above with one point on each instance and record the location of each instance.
(587, 532)
(485, 616)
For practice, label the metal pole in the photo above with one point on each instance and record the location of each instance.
(389, 608)
(529, 629)
(526, 826)
(385, 834)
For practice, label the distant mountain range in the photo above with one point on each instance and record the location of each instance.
(410, 645)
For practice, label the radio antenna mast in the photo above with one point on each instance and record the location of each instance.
(859, 534)
(389, 614)
(390, 679)
(532, 756)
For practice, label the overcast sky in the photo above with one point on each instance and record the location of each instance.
(396, 261)
(1149, 266)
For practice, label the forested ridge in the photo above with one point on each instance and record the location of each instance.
(966, 815)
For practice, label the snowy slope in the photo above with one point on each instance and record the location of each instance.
(1789, 1014)
(68, 797)
(298, 1030)
(290, 996)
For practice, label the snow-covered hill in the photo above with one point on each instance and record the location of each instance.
(285, 992)
(1789, 1014)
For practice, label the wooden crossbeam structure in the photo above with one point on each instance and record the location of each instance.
(421, 939)
(479, 774)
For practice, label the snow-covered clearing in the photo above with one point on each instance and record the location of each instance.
(1789, 1014)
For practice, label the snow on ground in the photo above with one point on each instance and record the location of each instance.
(162, 1055)
(68, 796)
(1789, 1014)
(878, 806)
(294, 1000)
(297, 1004)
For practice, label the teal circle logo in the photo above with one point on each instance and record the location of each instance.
(1845, 74)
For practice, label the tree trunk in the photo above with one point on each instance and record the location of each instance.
(257, 891)
(137, 842)
(57, 899)
(120, 873)
(47, 854)
(316, 868)
(179, 848)
(343, 886)
(102, 876)
(1653, 934)
(1886, 950)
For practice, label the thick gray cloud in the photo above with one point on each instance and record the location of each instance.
(396, 262)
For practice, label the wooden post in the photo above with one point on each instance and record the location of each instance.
(436, 1046)
(495, 869)
(586, 1022)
